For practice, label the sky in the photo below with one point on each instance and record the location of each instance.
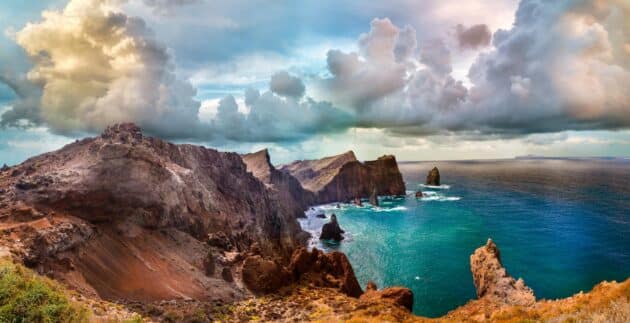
(423, 80)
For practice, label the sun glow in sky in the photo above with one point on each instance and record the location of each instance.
(422, 80)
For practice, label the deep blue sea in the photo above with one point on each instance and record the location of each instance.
(562, 225)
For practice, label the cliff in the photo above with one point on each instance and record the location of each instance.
(125, 216)
(343, 177)
(287, 188)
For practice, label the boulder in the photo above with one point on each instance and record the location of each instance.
(433, 178)
(419, 194)
(325, 269)
(492, 281)
(208, 264)
(226, 274)
(263, 276)
(331, 230)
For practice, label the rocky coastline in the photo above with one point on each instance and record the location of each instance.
(187, 233)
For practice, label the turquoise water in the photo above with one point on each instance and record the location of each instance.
(561, 225)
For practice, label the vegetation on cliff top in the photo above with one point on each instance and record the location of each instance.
(27, 297)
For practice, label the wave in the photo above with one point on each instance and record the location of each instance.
(440, 198)
(440, 187)
(389, 209)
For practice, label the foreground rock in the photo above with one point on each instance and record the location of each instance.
(492, 280)
(433, 178)
(331, 230)
(125, 216)
(331, 270)
(396, 295)
(343, 177)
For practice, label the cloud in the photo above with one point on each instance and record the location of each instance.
(165, 7)
(274, 118)
(473, 37)
(562, 66)
(96, 66)
(287, 85)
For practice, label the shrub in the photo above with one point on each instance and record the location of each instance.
(28, 297)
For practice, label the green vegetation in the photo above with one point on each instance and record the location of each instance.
(28, 297)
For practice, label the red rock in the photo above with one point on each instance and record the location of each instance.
(263, 276)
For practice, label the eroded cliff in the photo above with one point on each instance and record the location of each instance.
(343, 177)
(126, 216)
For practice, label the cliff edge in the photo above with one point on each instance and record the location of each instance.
(343, 177)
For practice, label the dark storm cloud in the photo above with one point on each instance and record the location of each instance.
(473, 37)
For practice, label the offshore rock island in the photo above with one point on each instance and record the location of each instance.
(186, 233)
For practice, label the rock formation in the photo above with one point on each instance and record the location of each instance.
(419, 194)
(331, 230)
(331, 270)
(125, 216)
(433, 178)
(399, 296)
(374, 197)
(343, 177)
(492, 280)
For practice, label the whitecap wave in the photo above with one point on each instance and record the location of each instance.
(389, 209)
(440, 187)
(440, 198)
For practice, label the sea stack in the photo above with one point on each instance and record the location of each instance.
(374, 197)
(331, 230)
(433, 178)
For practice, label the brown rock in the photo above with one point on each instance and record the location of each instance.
(208, 264)
(263, 276)
(226, 274)
(433, 178)
(492, 280)
(371, 286)
(397, 295)
(331, 230)
(343, 177)
(327, 270)
(419, 194)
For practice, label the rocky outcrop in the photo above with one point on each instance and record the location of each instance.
(492, 280)
(321, 269)
(325, 270)
(433, 178)
(396, 295)
(374, 198)
(343, 177)
(132, 215)
(331, 230)
(264, 276)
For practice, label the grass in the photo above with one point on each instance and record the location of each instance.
(28, 297)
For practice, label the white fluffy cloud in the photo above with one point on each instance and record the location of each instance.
(96, 66)
(563, 65)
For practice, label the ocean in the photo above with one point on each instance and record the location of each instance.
(563, 225)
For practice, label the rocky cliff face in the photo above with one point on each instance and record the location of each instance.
(122, 215)
(343, 177)
(287, 188)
